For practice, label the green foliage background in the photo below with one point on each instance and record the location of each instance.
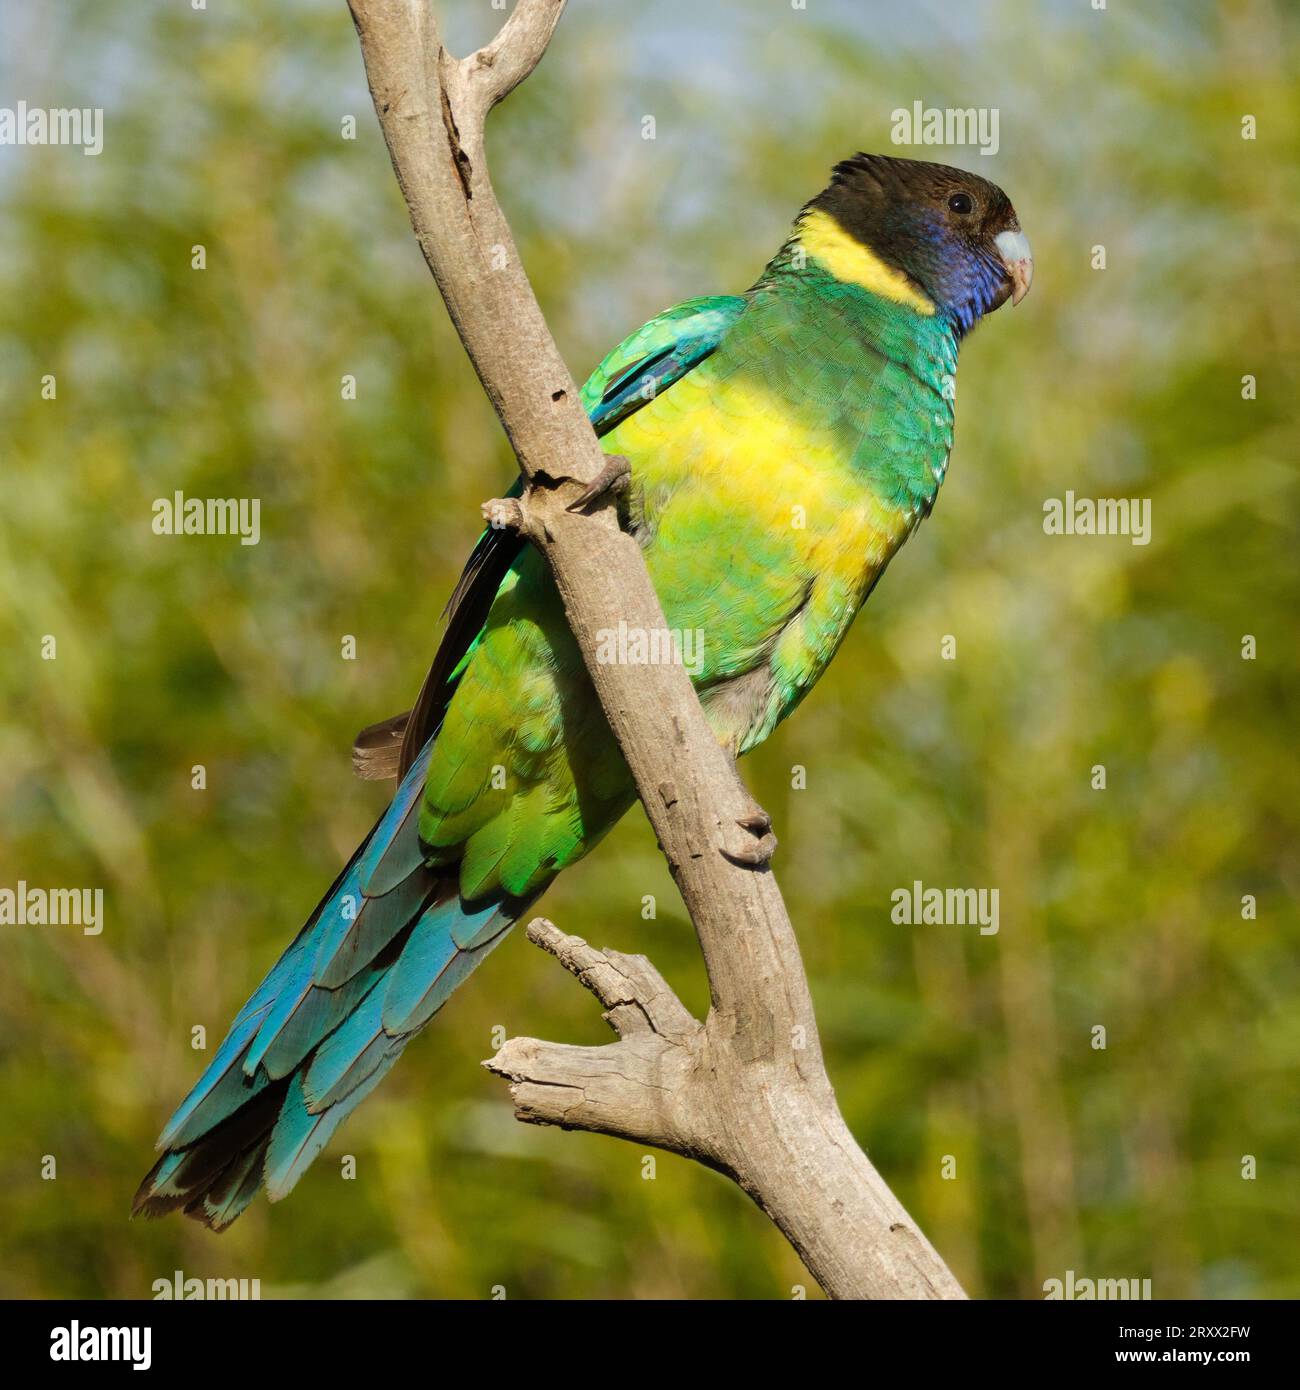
(1120, 908)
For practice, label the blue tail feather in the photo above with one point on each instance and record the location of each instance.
(429, 951)
(379, 920)
(326, 1024)
(221, 1090)
(331, 1074)
(299, 1135)
(451, 976)
(319, 1013)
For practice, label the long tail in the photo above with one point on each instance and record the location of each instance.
(380, 955)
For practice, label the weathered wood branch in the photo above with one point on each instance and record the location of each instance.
(746, 1090)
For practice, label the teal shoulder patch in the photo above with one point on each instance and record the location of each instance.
(656, 356)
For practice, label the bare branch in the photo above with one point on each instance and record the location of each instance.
(500, 66)
(745, 1091)
(642, 1088)
(636, 996)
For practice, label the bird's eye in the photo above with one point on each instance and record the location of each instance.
(961, 202)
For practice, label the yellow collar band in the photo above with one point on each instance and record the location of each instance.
(822, 237)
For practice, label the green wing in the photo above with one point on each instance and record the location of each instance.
(656, 356)
(643, 365)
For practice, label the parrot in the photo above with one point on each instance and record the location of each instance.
(827, 388)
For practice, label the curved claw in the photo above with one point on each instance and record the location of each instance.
(758, 855)
(610, 481)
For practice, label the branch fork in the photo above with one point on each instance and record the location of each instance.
(640, 1087)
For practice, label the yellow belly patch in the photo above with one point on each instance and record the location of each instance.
(822, 237)
(764, 536)
(733, 450)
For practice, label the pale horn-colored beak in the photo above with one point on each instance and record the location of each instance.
(1013, 247)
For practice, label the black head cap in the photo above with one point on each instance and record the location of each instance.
(936, 224)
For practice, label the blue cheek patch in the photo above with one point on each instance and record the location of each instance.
(962, 284)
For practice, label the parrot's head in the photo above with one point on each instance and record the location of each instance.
(948, 236)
